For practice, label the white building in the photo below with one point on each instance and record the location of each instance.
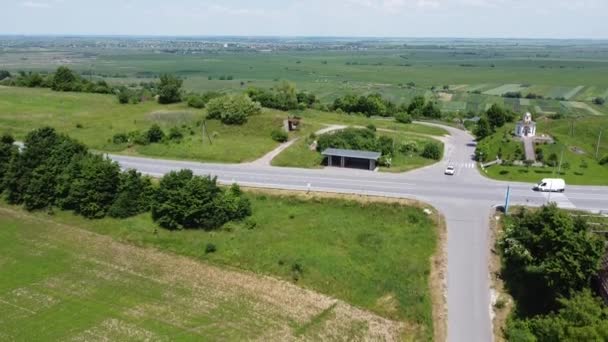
(526, 127)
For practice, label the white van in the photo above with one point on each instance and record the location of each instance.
(551, 185)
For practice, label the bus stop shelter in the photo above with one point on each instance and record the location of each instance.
(351, 158)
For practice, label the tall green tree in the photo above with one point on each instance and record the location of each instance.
(497, 116)
(581, 318)
(64, 80)
(169, 90)
(135, 194)
(548, 254)
(89, 186)
(8, 151)
(482, 129)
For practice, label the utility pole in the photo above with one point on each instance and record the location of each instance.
(507, 200)
(561, 159)
(599, 140)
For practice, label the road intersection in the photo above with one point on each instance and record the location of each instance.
(467, 201)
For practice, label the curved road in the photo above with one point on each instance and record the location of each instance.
(466, 200)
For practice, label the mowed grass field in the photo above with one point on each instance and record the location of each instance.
(60, 281)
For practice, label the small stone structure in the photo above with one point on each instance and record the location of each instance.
(291, 124)
(526, 127)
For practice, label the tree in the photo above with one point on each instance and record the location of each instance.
(552, 160)
(169, 90)
(185, 201)
(44, 156)
(415, 107)
(155, 134)
(497, 117)
(598, 100)
(547, 254)
(350, 139)
(64, 80)
(8, 151)
(232, 109)
(431, 111)
(403, 117)
(123, 96)
(89, 186)
(483, 129)
(4, 74)
(431, 151)
(134, 195)
(581, 318)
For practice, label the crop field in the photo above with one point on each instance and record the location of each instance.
(505, 88)
(60, 280)
(552, 69)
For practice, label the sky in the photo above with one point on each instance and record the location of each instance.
(560, 19)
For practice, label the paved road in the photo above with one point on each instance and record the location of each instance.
(466, 200)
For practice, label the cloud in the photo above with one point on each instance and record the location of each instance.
(32, 4)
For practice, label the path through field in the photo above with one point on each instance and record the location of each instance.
(60, 282)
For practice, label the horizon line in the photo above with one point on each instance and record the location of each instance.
(101, 35)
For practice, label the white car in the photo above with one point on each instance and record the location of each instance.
(450, 171)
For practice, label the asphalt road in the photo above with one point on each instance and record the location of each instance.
(466, 199)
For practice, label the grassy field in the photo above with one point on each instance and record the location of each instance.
(94, 119)
(577, 139)
(341, 247)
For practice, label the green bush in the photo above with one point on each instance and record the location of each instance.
(232, 109)
(403, 118)
(175, 134)
(604, 161)
(279, 136)
(185, 201)
(120, 138)
(431, 151)
(155, 134)
(169, 89)
(210, 248)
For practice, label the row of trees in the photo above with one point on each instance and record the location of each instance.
(549, 261)
(64, 79)
(55, 171)
(376, 105)
(494, 118)
(283, 97)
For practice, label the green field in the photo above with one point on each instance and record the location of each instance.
(399, 69)
(576, 138)
(342, 249)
